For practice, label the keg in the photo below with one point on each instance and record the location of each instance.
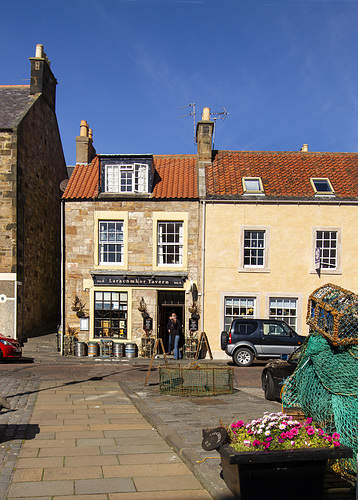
(118, 350)
(130, 350)
(80, 349)
(92, 349)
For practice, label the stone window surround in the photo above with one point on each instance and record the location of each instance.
(299, 299)
(92, 311)
(167, 217)
(264, 268)
(252, 295)
(114, 215)
(338, 269)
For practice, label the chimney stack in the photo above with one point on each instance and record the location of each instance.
(204, 137)
(85, 151)
(42, 80)
(304, 148)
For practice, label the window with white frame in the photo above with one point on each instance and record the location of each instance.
(252, 185)
(327, 242)
(254, 248)
(110, 239)
(131, 178)
(170, 243)
(284, 309)
(238, 306)
(110, 314)
(322, 186)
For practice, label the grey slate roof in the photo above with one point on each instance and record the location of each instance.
(14, 101)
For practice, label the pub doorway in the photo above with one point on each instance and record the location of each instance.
(169, 302)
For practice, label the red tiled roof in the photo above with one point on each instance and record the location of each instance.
(284, 174)
(83, 183)
(175, 177)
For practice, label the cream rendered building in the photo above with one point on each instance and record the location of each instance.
(278, 225)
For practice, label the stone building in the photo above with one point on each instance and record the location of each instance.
(32, 166)
(132, 243)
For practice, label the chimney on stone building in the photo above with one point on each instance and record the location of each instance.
(42, 80)
(304, 148)
(204, 137)
(85, 151)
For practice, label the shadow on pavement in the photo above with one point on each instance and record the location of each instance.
(8, 432)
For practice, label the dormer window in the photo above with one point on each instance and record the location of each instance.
(129, 178)
(322, 186)
(252, 185)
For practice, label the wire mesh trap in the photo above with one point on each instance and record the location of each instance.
(196, 380)
(333, 312)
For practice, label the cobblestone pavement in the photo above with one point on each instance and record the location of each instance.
(14, 424)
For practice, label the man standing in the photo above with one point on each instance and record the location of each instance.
(174, 331)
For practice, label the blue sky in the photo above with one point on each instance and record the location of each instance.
(285, 70)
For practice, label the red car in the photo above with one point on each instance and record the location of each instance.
(9, 348)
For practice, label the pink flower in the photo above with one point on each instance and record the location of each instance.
(238, 424)
(320, 432)
(284, 435)
(294, 431)
(335, 435)
(310, 431)
(309, 420)
(256, 442)
(336, 443)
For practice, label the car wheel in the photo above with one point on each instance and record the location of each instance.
(243, 356)
(269, 387)
(1, 356)
(224, 340)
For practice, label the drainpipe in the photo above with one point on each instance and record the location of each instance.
(203, 263)
(60, 333)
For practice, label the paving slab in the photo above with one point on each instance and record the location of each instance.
(79, 460)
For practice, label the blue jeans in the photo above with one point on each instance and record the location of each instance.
(177, 354)
(170, 344)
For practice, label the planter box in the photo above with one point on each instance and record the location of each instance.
(280, 475)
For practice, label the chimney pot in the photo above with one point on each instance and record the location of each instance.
(39, 50)
(304, 148)
(90, 134)
(206, 114)
(83, 129)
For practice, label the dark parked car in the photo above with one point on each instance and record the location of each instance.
(258, 338)
(9, 348)
(276, 372)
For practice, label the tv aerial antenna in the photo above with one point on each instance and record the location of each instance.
(192, 113)
(221, 114)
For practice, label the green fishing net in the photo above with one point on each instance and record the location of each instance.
(325, 383)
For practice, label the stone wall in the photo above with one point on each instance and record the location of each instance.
(8, 155)
(40, 169)
(81, 228)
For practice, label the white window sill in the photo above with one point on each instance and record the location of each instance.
(326, 271)
(254, 270)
